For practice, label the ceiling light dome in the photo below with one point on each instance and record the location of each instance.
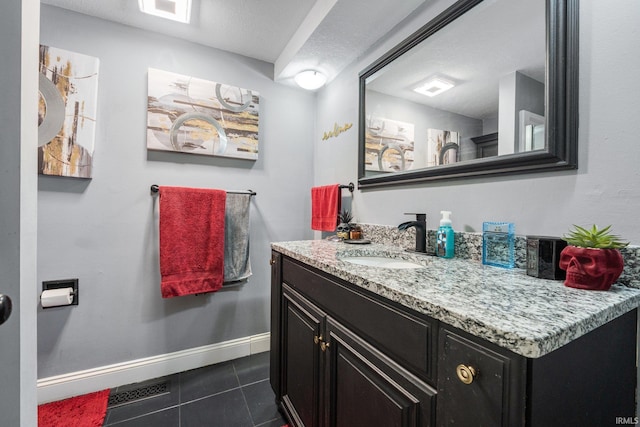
(310, 79)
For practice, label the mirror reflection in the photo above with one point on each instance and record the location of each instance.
(474, 89)
(485, 88)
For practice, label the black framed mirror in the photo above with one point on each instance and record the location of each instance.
(485, 88)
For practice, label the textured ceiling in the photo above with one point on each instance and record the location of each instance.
(256, 28)
(292, 34)
(475, 64)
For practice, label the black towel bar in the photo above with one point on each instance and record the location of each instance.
(351, 187)
(155, 188)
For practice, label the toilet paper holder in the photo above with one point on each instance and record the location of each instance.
(61, 284)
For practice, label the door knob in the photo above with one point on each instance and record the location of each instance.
(5, 308)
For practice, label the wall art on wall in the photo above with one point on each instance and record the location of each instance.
(190, 115)
(442, 147)
(337, 130)
(67, 112)
(389, 145)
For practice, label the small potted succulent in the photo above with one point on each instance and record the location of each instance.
(344, 226)
(592, 258)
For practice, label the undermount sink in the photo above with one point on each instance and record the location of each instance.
(381, 261)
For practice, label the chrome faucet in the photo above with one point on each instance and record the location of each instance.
(421, 230)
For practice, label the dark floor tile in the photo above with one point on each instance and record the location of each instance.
(221, 410)
(204, 397)
(206, 381)
(252, 368)
(165, 418)
(148, 405)
(273, 423)
(261, 402)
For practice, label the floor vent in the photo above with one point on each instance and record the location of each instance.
(136, 394)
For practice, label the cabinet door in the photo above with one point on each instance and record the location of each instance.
(408, 339)
(477, 385)
(302, 326)
(363, 387)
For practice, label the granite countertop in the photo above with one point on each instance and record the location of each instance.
(527, 315)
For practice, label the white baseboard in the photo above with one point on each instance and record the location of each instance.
(76, 383)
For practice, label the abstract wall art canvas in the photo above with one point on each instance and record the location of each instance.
(191, 115)
(389, 145)
(67, 108)
(442, 147)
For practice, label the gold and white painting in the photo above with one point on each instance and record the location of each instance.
(191, 115)
(442, 147)
(68, 90)
(389, 145)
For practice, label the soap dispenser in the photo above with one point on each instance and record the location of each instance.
(444, 236)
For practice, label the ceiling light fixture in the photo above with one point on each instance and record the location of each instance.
(176, 10)
(434, 86)
(310, 79)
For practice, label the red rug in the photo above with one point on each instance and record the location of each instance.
(87, 410)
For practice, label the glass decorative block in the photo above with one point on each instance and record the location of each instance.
(498, 244)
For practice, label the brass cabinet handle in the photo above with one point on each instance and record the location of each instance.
(272, 261)
(323, 345)
(466, 374)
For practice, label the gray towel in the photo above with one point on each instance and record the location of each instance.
(236, 238)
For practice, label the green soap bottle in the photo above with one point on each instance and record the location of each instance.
(444, 236)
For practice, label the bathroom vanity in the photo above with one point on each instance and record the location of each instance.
(451, 342)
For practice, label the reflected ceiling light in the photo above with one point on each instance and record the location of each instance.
(434, 86)
(310, 79)
(176, 10)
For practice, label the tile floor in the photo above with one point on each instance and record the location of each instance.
(236, 393)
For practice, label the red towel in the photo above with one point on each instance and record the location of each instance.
(325, 207)
(191, 240)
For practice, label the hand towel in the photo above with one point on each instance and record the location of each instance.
(325, 207)
(237, 265)
(191, 240)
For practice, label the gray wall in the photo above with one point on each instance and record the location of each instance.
(604, 190)
(104, 231)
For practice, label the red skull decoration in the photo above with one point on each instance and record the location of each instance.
(589, 268)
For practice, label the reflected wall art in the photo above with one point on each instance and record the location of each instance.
(442, 147)
(389, 145)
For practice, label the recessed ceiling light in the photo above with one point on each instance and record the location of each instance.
(434, 86)
(310, 79)
(176, 10)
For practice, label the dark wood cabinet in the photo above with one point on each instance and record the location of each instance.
(478, 385)
(486, 145)
(332, 377)
(330, 374)
(366, 388)
(343, 356)
(302, 329)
